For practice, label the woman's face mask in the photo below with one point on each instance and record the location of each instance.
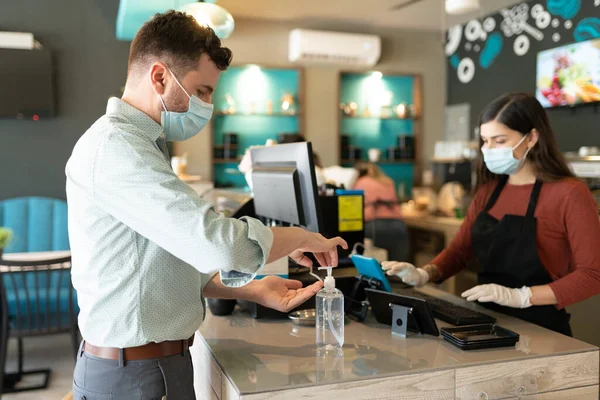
(181, 126)
(501, 160)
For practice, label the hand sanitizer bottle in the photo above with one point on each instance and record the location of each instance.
(330, 314)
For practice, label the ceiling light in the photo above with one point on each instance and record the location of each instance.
(210, 14)
(461, 6)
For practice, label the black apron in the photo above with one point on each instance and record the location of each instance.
(508, 256)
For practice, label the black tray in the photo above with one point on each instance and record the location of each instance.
(452, 339)
(482, 346)
(480, 333)
(477, 337)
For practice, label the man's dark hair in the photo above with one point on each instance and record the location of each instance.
(176, 39)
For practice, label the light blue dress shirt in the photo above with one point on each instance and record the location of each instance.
(143, 243)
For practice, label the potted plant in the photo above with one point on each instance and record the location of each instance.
(5, 236)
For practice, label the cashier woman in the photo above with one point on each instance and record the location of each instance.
(532, 227)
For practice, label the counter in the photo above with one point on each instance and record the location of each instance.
(237, 357)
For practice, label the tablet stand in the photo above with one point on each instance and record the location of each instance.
(400, 316)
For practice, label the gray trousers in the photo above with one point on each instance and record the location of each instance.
(101, 379)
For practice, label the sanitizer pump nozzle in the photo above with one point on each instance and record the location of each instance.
(329, 282)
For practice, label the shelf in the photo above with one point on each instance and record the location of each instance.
(576, 157)
(190, 178)
(254, 120)
(411, 161)
(449, 160)
(381, 129)
(381, 162)
(226, 161)
(381, 118)
(224, 114)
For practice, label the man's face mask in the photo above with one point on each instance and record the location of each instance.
(181, 126)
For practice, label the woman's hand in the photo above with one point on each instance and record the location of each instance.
(407, 272)
(515, 298)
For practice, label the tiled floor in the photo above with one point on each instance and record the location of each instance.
(52, 352)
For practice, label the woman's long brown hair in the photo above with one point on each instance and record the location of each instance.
(522, 112)
(372, 170)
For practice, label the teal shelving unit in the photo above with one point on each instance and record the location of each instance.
(377, 121)
(249, 102)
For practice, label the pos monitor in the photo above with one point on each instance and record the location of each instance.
(284, 186)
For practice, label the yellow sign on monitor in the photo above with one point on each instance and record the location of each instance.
(350, 213)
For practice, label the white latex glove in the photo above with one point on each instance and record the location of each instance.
(515, 298)
(407, 272)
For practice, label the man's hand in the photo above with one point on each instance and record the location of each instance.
(281, 294)
(325, 250)
(294, 242)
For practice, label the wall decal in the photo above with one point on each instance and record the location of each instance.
(542, 17)
(454, 61)
(492, 49)
(507, 59)
(521, 45)
(515, 22)
(536, 10)
(490, 24)
(543, 20)
(527, 23)
(587, 29)
(454, 37)
(564, 8)
(474, 31)
(466, 70)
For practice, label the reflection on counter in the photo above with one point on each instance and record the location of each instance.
(329, 364)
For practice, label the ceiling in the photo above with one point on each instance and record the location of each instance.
(423, 15)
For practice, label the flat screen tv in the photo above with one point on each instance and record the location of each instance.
(27, 89)
(569, 75)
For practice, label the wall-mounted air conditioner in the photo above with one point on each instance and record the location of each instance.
(324, 47)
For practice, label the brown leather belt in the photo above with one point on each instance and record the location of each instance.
(147, 351)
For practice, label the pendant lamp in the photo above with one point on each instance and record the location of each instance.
(210, 14)
(456, 7)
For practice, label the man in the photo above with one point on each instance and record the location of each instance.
(144, 246)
